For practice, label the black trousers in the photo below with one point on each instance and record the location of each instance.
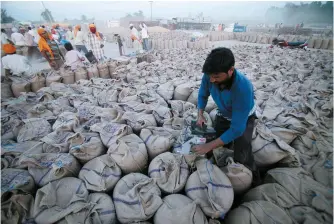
(242, 146)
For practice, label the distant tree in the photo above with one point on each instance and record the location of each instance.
(139, 14)
(84, 18)
(5, 18)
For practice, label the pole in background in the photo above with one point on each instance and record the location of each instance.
(151, 2)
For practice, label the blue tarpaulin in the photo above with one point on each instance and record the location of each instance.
(238, 28)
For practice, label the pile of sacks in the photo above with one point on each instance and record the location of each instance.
(102, 150)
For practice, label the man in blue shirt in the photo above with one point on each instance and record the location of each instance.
(234, 96)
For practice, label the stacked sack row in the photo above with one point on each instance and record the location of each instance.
(219, 36)
(101, 150)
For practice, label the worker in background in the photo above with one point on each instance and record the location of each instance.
(302, 25)
(73, 58)
(15, 64)
(55, 35)
(49, 49)
(144, 35)
(135, 38)
(80, 39)
(234, 95)
(17, 38)
(4, 38)
(69, 34)
(120, 44)
(95, 42)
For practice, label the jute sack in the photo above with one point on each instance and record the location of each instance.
(22, 86)
(211, 189)
(93, 72)
(48, 167)
(322, 170)
(66, 122)
(68, 76)
(193, 98)
(33, 129)
(151, 97)
(175, 123)
(169, 171)
(103, 70)
(136, 198)
(161, 114)
(158, 140)
(304, 214)
(100, 174)
(138, 121)
(112, 66)
(68, 195)
(10, 127)
(17, 201)
(107, 96)
(110, 132)
(301, 185)
(85, 147)
(166, 90)
(80, 73)
(191, 115)
(177, 208)
(180, 107)
(57, 142)
(240, 176)
(130, 153)
(268, 148)
(52, 77)
(258, 212)
(37, 82)
(100, 209)
(40, 111)
(274, 193)
(6, 91)
(127, 95)
(183, 91)
(210, 105)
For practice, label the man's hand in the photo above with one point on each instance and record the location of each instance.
(200, 120)
(201, 149)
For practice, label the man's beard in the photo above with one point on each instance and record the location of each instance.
(225, 82)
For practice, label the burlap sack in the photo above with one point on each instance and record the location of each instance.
(210, 105)
(137, 107)
(86, 147)
(10, 127)
(80, 73)
(179, 108)
(33, 129)
(57, 142)
(37, 82)
(138, 121)
(322, 170)
(40, 111)
(166, 90)
(110, 132)
(48, 167)
(103, 70)
(177, 208)
(66, 122)
(258, 212)
(175, 123)
(193, 98)
(304, 214)
(6, 91)
(100, 174)
(151, 97)
(52, 77)
(240, 176)
(20, 87)
(211, 189)
(17, 201)
(128, 95)
(191, 115)
(300, 184)
(68, 195)
(136, 198)
(169, 171)
(274, 193)
(183, 91)
(107, 96)
(161, 114)
(59, 106)
(129, 152)
(93, 72)
(68, 76)
(85, 113)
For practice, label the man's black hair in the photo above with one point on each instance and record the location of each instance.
(3, 31)
(43, 26)
(29, 28)
(219, 60)
(68, 46)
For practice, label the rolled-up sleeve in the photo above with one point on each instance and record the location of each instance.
(203, 93)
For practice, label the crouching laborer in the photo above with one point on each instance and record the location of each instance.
(49, 49)
(234, 95)
(120, 44)
(73, 58)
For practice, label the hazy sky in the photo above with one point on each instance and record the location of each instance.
(114, 10)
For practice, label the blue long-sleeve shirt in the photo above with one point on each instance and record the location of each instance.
(234, 104)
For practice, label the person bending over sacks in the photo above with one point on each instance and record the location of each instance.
(73, 58)
(234, 95)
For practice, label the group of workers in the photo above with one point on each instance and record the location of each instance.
(140, 40)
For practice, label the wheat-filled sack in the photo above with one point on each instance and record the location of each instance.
(66, 121)
(169, 171)
(33, 129)
(103, 70)
(258, 212)
(268, 148)
(6, 91)
(183, 91)
(175, 123)
(53, 76)
(100, 174)
(68, 195)
(301, 185)
(191, 115)
(177, 208)
(130, 153)
(110, 132)
(211, 189)
(138, 121)
(166, 90)
(161, 114)
(308, 215)
(46, 167)
(151, 97)
(240, 176)
(68, 76)
(60, 105)
(210, 105)
(20, 87)
(322, 170)
(17, 201)
(107, 96)
(40, 111)
(193, 98)
(85, 147)
(57, 142)
(37, 82)
(179, 108)
(112, 65)
(158, 140)
(136, 198)
(128, 95)
(80, 73)
(10, 127)
(114, 115)
(272, 192)
(93, 72)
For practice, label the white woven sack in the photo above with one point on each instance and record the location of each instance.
(193, 98)
(136, 198)
(183, 91)
(191, 115)
(166, 90)
(210, 105)
(169, 171)
(240, 176)
(175, 123)
(100, 174)
(33, 129)
(180, 107)
(177, 208)
(161, 114)
(57, 142)
(129, 152)
(211, 189)
(66, 121)
(138, 121)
